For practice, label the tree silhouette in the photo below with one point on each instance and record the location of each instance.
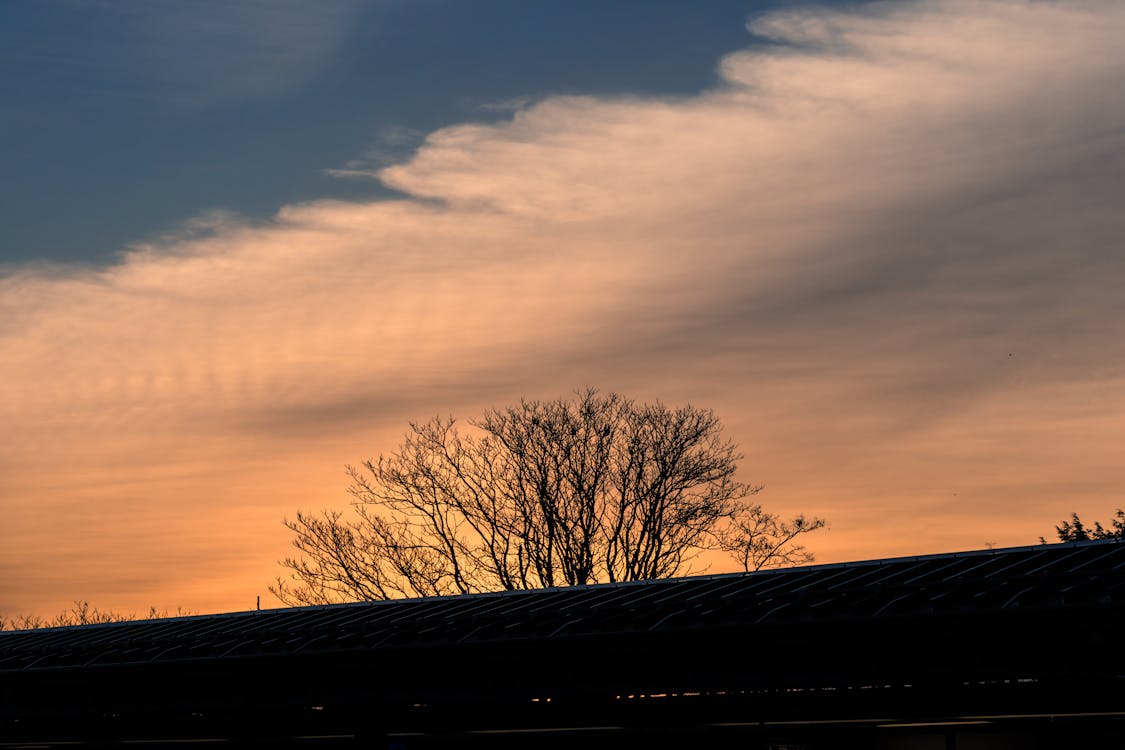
(1076, 531)
(597, 488)
(82, 613)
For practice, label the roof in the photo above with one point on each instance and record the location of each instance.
(1040, 578)
(1023, 640)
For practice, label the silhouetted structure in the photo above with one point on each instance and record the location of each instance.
(989, 649)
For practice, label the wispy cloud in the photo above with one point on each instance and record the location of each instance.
(886, 249)
(392, 145)
(210, 52)
(507, 105)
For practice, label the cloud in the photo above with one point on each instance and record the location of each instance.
(224, 52)
(886, 249)
(394, 145)
(513, 104)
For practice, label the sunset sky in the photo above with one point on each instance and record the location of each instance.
(243, 243)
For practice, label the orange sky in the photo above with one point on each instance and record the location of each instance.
(887, 252)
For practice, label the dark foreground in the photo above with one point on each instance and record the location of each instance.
(996, 649)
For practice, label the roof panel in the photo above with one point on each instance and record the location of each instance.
(1044, 577)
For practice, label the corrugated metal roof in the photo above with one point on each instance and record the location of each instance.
(1041, 578)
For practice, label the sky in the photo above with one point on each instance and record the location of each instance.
(244, 243)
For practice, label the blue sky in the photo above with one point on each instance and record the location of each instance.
(122, 118)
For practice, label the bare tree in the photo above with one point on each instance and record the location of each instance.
(592, 489)
(82, 613)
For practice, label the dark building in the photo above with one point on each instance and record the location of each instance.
(1012, 648)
